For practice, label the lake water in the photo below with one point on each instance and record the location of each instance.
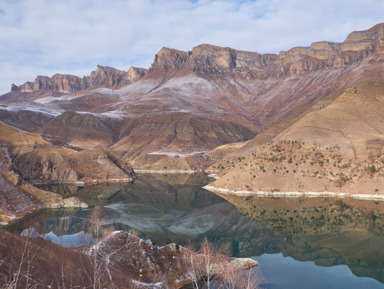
(299, 243)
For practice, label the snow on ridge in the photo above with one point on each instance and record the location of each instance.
(169, 154)
(113, 114)
(31, 106)
(46, 99)
(176, 154)
(187, 85)
(104, 90)
(49, 99)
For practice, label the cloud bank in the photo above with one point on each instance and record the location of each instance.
(42, 37)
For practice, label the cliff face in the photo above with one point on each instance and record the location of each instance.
(103, 76)
(208, 58)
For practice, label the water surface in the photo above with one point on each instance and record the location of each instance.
(299, 243)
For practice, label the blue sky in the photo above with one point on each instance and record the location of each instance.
(43, 37)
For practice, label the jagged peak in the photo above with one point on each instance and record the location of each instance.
(167, 50)
(135, 73)
(107, 68)
(168, 59)
(66, 83)
(136, 68)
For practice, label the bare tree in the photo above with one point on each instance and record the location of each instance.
(96, 222)
(98, 266)
(233, 277)
(98, 257)
(208, 268)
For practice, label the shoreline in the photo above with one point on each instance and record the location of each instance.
(147, 171)
(69, 202)
(91, 182)
(270, 194)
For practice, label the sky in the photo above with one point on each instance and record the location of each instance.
(44, 37)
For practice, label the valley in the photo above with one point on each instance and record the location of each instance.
(304, 122)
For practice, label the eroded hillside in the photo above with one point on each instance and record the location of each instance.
(337, 147)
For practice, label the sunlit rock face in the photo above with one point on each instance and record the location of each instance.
(103, 76)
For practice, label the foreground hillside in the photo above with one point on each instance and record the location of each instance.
(118, 260)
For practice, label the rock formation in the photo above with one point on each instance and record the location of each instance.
(103, 76)
(207, 58)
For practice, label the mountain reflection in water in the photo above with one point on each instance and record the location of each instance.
(174, 208)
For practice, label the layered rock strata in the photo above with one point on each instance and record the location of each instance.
(207, 58)
(103, 76)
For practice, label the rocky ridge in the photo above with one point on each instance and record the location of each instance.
(103, 76)
(207, 58)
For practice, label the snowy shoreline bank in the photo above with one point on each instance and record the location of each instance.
(270, 194)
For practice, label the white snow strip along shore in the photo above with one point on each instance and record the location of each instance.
(374, 197)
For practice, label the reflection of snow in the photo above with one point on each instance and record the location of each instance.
(190, 223)
(74, 240)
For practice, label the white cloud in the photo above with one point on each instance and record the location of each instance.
(48, 36)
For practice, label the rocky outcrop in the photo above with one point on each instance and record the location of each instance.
(169, 59)
(64, 165)
(18, 198)
(103, 76)
(61, 83)
(111, 77)
(208, 58)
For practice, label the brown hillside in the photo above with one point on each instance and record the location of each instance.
(335, 148)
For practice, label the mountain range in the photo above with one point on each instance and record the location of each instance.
(306, 119)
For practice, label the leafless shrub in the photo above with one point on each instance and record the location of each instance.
(208, 268)
(99, 263)
(20, 276)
